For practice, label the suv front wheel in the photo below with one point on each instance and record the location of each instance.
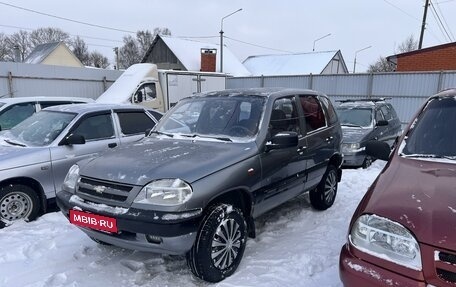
(324, 195)
(220, 243)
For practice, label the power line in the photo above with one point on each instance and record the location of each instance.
(436, 15)
(259, 46)
(66, 19)
(444, 20)
(402, 10)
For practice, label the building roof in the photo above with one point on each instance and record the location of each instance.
(393, 58)
(189, 54)
(41, 52)
(289, 64)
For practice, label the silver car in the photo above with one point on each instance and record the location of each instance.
(36, 154)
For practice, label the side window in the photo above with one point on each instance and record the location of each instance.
(50, 104)
(313, 113)
(15, 114)
(145, 93)
(332, 116)
(96, 127)
(132, 123)
(284, 116)
(386, 112)
(378, 116)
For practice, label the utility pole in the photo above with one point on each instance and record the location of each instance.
(423, 25)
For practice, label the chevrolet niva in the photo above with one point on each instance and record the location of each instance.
(214, 163)
(403, 232)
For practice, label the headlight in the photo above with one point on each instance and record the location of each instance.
(386, 239)
(165, 192)
(69, 184)
(351, 147)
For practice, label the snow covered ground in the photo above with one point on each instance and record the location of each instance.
(295, 246)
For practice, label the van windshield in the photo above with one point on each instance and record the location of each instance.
(433, 133)
(227, 117)
(357, 117)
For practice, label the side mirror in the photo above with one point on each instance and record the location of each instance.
(382, 123)
(73, 139)
(138, 97)
(378, 149)
(282, 140)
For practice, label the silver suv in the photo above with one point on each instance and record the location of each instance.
(36, 154)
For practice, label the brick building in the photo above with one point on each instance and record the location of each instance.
(436, 58)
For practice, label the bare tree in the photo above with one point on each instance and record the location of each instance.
(382, 64)
(48, 35)
(21, 41)
(129, 53)
(4, 52)
(162, 31)
(145, 39)
(96, 59)
(409, 44)
(80, 50)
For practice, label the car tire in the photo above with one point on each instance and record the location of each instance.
(219, 245)
(324, 195)
(367, 162)
(17, 202)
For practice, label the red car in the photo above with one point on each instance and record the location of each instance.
(403, 232)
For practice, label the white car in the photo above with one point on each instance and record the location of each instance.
(15, 110)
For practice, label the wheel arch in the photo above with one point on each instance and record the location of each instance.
(240, 198)
(30, 182)
(337, 160)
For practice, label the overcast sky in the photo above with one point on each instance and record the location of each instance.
(282, 26)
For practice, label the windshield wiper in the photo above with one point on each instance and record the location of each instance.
(351, 125)
(226, 139)
(428, 156)
(14, 143)
(162, 133)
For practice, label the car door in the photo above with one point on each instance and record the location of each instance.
(319, 138)
(283, 169)
(99, 133)
(133, 124)
(380, 132)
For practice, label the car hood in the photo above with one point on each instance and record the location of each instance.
(14, 156)
(156, 158)
(421, 195)
(354, 135)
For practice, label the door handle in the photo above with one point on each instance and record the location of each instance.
(329, 138)
(112, 145)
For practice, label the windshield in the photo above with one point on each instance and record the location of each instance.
(40, 129)
(433, 134)
(358, 117)
(215, 117)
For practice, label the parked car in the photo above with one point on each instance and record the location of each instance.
(15, 110)
(403, 231)
(363, 120)
(36, 154)
(214, 163)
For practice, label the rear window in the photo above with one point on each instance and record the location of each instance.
(433, 133)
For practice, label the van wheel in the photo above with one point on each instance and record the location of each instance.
(17, 202)
(219, 245)
(324, 195)
(367, 162)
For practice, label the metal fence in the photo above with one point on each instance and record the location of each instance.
(407, 90)
(25, 80)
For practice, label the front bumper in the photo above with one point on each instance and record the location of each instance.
(356, 272)
(177, 234)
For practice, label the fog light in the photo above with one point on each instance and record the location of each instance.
(154, 239)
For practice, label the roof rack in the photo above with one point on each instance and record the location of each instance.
(364, 100)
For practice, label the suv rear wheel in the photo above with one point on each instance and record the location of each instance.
(219, 245)
(324, 195)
